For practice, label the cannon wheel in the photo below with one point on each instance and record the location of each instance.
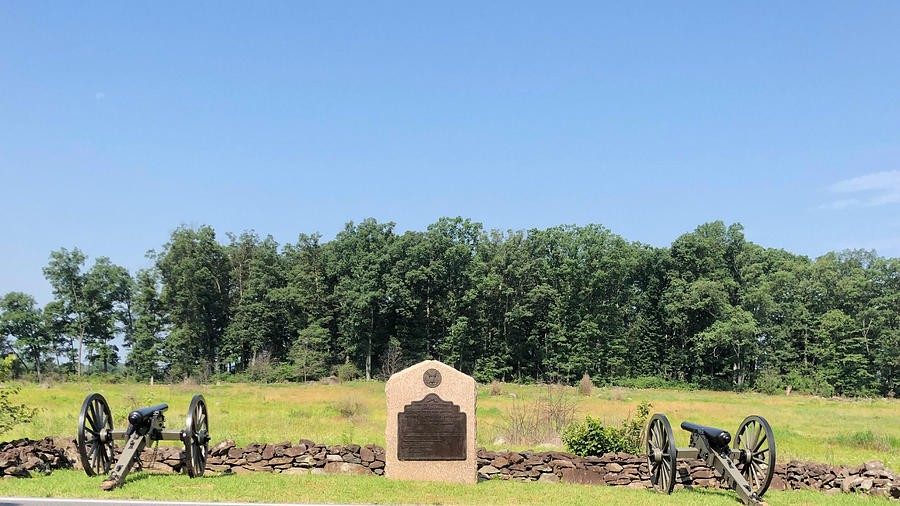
(196, 437)
(661, 453)
(756, 445)
(95, 447)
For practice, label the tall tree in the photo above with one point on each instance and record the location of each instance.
(21, 320)
(359, 261)
(64, 272)
(150, 326)
(196, 285)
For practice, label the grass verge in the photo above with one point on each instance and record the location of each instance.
(265, 487)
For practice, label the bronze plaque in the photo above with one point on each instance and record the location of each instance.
(431, 429)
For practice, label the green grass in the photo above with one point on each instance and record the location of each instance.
(265, 487)
(834, 431)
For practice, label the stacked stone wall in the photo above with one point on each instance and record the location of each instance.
(22, 457)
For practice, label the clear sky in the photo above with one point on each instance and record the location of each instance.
(119, 121)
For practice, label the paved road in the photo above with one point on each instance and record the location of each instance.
(42, 501)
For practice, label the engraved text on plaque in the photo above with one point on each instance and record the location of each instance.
(431, 429)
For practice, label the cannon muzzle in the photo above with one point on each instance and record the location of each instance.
(717, 438)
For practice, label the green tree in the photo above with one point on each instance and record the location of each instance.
(359, 262)
(151, 324)
(64, 272)
(21, 320)
(196, 285)
(307, 353)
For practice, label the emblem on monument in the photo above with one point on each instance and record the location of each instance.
(432, 378)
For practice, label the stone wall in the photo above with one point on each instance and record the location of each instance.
(22, 457)
(623, 469)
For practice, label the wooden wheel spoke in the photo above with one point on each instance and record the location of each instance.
(759, 443)
(89, 417)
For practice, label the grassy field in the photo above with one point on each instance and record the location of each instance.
(834, 431)
(264, 487)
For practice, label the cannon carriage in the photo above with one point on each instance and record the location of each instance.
(96, 438)
(747, 467)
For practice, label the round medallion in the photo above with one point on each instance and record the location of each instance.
(432, 378)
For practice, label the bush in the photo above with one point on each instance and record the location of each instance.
(11, 414)
(813, 383)
(769, 382)
(284, 372)
(346, 372)
(591, 437)
(260, 369)
(496, 388)
(349, 407)
(585, 386)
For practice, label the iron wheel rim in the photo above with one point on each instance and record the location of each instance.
(756, 443)
(95, 453)
(196, 444)
(661, 453)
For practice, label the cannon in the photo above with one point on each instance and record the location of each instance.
(747, 467)
(96, 438)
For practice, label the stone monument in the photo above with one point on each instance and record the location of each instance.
(430, 432)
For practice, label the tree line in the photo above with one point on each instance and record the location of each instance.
(711, 310)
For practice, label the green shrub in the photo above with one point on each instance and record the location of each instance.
(813, 383)
(591, 437)
(11, 414)
(769, 382)
(284, 371)
(346, 372)
(349, 407)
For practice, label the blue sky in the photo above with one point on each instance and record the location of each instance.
(120, 121)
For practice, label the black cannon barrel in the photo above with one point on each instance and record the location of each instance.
(138, 416)
(718, 438)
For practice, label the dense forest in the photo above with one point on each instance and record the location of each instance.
(711, 310)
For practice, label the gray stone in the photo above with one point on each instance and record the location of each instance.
(559, 463)
(488, 470)
(345, 468)
(352, 458)
(221, 448)
(548, 478)
(499, 462)
(295, 451)
(874, 465)
(582, 476)
(305, 461)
